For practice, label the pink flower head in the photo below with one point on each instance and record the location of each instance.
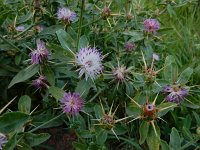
(40, 82)
(175, 93)
(39, 55)
(156, 56)
(20, 28)
(129, 46)
(72, 103)
(66, 15)
(151, 25)
(89, 60)
(3, 140)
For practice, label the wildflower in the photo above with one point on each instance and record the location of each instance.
(3, 140)
(156, 57)
(39, 28)
(129, 46)
(66, 15)
(89, 60)
(106, 12)
(120, 72)
(72, 103)
(149, 109)
(20, 28)
(40, 82)
(151, 25)
(175, 93)
(39, 55)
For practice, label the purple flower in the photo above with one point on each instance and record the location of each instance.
(129, 46)
(89, 60)
(20, 28)
(66, 14)
(72, 103)
(39, 55)
(3, 140)
(40, 82)
(175, 93)
(151, 25)
(156, 57)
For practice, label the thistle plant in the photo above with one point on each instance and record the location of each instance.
(139, 58)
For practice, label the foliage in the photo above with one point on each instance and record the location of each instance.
(128, 94)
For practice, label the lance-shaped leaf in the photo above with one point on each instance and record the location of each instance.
(185, 76)
(175, 140)
(24, 74)
(170, 69)
(12, 121)
(164, 108)
(144, 129)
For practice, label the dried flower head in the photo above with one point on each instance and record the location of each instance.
(72, 103)
(129, 46)
(151, 25)
(120, 72)
(149, 110)
(89, 60)
(39, 28)
(175, 93)
(106, 12)
(3, 140)
(39, 55)
(40, 82)
(66, 15)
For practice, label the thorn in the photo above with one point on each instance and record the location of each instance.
(134, 101)
(155, 99)
(135, 119)
(154, 128)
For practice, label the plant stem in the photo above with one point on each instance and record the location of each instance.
(80, 23)
(42, 125)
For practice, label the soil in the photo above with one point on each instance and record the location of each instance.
(61, 139)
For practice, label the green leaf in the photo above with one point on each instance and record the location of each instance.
(44, 118)
(144, 129)
(12, 121)
(51, 30)
(65, 40)
(185, 76)
(56, 92)
(186, 132)
(49, 74)
(171, 10)
(101, 137)
(153, 141)
(164, 108)
(136, 36)
(170, 69)
(11, 144)
(175, 141)
(98, 111)
(24, 104)
(133, 110)
(24, 74)
(79, 146)
(35, 139)
(189, 104)
(83, 87)
(196, 117)
(25, 17)
(83, 42)
(164, 145)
